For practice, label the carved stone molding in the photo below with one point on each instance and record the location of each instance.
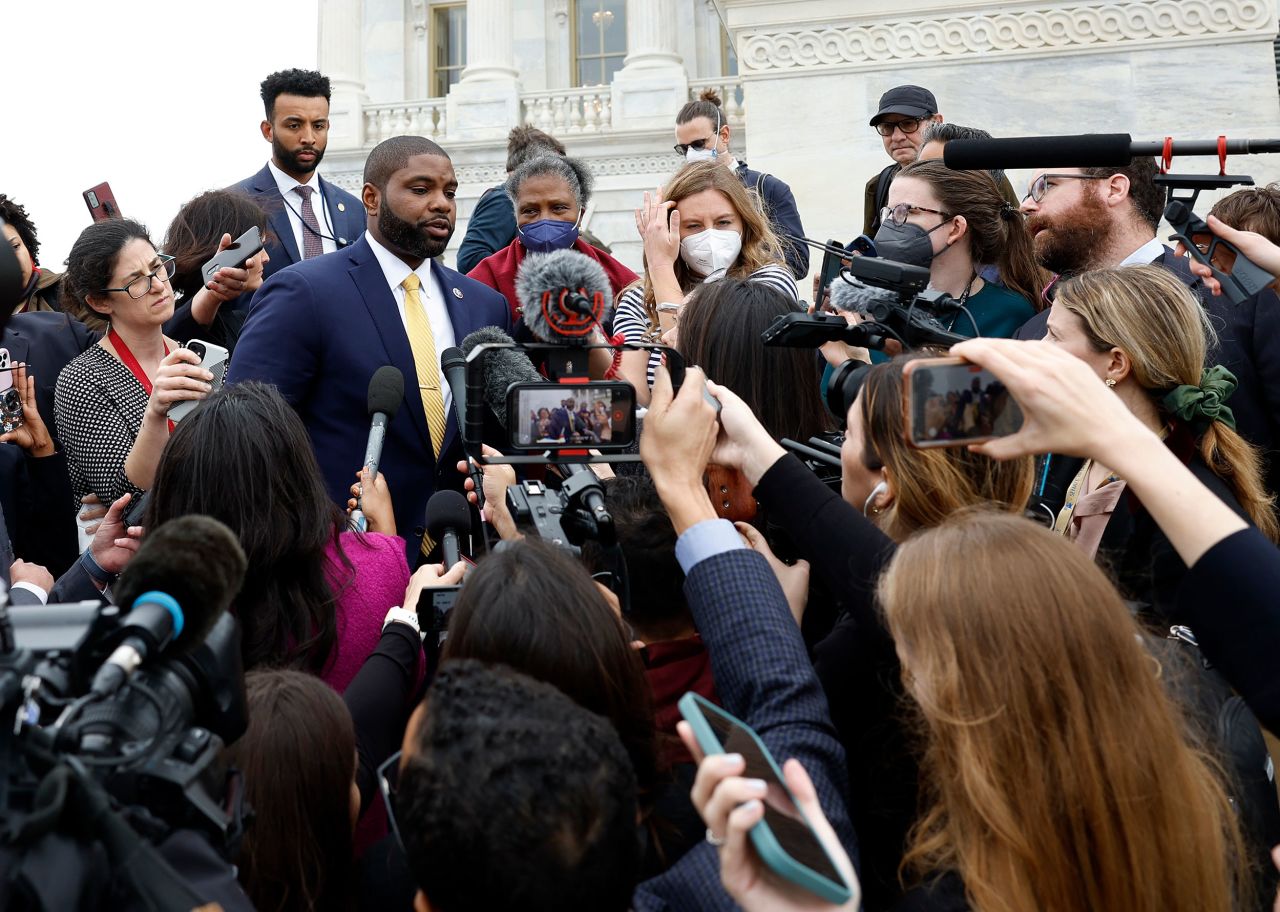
(1077, 28)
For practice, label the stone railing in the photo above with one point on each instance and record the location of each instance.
(729, 88)
(564, 112)
(417, 118)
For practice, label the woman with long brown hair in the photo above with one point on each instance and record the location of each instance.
(1144, 333)
(1046, 785)
(705, 227)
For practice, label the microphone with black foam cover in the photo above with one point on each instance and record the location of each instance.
(501, 367)
(448, 517)
(1089, 150)
(181, 581)
(386, 392)
(564, 295)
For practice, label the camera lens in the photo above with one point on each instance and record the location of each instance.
(198, 348)
(842, 388)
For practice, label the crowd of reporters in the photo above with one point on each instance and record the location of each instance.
(1029, 673)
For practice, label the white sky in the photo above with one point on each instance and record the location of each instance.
(158, 98)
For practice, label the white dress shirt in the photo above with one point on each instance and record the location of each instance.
(293, 205)
(1145, 255)
(396, 271)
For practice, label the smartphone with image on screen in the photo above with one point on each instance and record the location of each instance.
(783, 838)
(600, 415)
(951, 402)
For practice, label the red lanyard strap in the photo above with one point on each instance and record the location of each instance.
(129, 361)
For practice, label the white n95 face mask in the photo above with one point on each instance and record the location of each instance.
(710, 253)
(696, 155)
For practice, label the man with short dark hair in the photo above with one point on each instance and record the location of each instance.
(904, 111)
(308, 216)
(492, 225)
(320, 329)
(512, 796)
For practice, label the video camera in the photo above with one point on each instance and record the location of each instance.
(128, 713)
(896, 302)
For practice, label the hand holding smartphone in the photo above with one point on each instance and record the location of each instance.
(213, 358)
(951, 402)
(784, 839)
(241, 250)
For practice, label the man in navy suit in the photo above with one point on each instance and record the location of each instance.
(320, 329)
(308, 216)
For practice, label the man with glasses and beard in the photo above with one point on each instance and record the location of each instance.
(1093, 218)
(308, 215)
(319, 331)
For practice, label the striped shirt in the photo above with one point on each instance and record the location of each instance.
(630, 319)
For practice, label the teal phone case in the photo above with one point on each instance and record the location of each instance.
(692, 706)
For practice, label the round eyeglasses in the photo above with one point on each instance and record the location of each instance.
(1040, 186)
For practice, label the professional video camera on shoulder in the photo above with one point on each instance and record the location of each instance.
(115, 717)
(558, 415)
(894, 301)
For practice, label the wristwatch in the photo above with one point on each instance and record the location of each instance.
(403, 616)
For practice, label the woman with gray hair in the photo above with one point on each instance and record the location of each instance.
(550, 194)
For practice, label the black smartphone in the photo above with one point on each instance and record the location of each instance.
(101, 202)
(247, 245)
(802, 330)
(600, 415)
(136, 510)
(951, 402)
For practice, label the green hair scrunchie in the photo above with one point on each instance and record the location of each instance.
(1201, 405)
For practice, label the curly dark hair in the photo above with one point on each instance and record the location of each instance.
(15, 214)
(307, 83)
(515, 797)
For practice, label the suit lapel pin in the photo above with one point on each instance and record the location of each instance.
(457, 292)
(342, 207)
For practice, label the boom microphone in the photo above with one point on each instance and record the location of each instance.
(854, 296)
(501, 368)
(448, 516)
(1088, 150)
(178, 585)
(563, 295)
(386, 392)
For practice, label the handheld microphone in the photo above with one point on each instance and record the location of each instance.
(501, 368)
(453, 367)
(563, 295)
(448, 515)
(178, 585)
(386, 392)
(1088, 150)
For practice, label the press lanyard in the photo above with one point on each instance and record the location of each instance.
(129, 361)
(1074, 493)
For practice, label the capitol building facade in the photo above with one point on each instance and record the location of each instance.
(800, 80)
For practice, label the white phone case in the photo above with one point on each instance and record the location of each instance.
(214, 359)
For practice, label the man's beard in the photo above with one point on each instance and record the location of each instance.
(407, 237)
(289, 160)
(1071, 243)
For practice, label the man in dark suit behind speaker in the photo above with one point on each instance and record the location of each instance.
(308, 216)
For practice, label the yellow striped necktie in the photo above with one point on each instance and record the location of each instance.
(426, 365)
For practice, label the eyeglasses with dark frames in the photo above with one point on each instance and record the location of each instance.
(699, 144)
(141, 286)
(897, 215)
(1040, 186)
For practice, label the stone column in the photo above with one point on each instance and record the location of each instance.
(342, 60)
(653, 83)
(485, 104)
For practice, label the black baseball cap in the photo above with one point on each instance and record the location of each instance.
(910, 100)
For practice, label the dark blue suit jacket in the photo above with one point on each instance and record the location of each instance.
(780, 208)
(346, 215)
(491, 228)
(319, 330)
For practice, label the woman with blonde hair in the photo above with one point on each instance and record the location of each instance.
(703, 227)
(1145, 335)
